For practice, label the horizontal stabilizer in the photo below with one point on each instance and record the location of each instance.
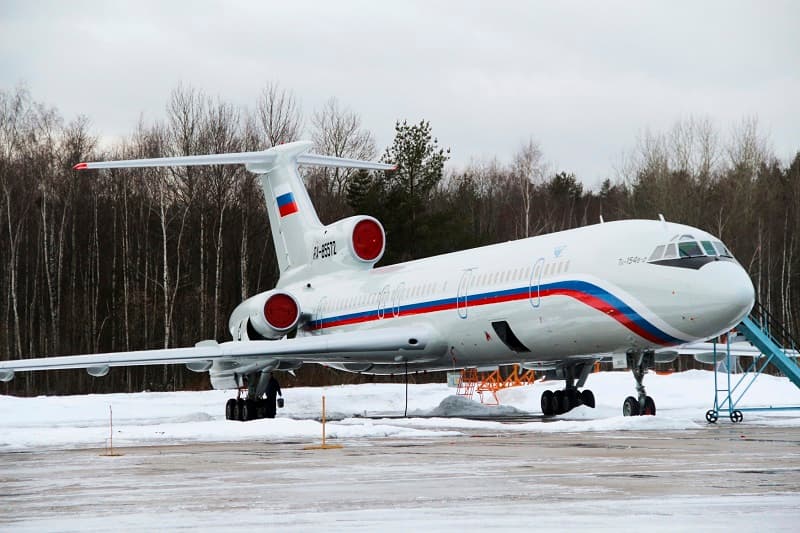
(258, 161)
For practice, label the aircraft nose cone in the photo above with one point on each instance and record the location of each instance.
(731, 292)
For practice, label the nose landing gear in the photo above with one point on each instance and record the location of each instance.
(639, 362)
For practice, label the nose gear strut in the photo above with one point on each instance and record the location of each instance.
(639, 362)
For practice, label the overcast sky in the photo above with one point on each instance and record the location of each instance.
(584, 79)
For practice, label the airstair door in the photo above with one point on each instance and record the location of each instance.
(534, 291)
(462, 297)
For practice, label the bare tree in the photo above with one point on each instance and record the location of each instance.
(279, 116)
(221, 134)
(337, 131)
(528, 171)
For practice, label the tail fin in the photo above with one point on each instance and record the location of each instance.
(293, 219)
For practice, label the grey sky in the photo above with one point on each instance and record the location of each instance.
(582, 78)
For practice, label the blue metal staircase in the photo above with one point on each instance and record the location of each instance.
(779, 348)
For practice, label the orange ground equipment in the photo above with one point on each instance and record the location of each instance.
(492, 382)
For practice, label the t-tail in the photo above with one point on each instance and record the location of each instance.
(303, 246)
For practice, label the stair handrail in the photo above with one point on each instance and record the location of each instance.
(774, 328)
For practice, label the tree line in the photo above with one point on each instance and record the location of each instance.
(130, 259)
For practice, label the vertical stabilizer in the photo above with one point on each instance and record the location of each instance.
(292, 217)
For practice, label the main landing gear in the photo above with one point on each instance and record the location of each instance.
(639, 363)
(565, 400)
(253, 406)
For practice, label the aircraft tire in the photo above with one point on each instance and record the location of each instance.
(630, 407)
(547, 403)
(570, 400)
(587, 397)
(558, 400)
(649, 407)
(249, 410)
(239, 410)
(229, 409)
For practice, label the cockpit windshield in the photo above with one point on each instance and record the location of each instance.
(687, 246)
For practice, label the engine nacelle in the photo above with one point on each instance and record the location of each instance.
(274, 314)
(357, 241)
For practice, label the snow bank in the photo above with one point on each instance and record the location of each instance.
(180, 417)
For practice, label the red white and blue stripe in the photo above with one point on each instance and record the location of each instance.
(286, 202)
(582, 291)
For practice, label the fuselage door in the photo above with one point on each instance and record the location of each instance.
(398, 299)
(318, 315)
(383, 301)
(534, 291)
(462, 297)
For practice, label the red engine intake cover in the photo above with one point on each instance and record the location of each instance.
(281, 311)
(367, 240)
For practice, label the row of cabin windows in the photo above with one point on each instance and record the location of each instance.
(429, 289)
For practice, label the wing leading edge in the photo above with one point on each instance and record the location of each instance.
(389, 345)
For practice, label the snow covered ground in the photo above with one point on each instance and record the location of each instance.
(184, 417)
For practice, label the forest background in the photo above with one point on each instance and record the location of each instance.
(136, 259)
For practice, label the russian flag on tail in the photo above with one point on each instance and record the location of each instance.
(286, 202)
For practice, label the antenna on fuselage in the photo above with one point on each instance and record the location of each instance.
(663, 222)
(601, 220)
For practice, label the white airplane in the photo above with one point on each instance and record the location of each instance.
(558, 302)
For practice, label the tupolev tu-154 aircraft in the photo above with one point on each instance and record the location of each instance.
(631, 290)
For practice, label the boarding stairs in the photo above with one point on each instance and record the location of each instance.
(778, 347)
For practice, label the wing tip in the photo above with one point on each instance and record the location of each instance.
(81, 166)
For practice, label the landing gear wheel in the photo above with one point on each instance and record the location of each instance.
(587, 397)
(649, 407)
(570, 400)
(558, 399)
(547, 403)
(737, 417)
(230, 406)
(630, 407)
(712, 416)
(238, 410)
(249, 410)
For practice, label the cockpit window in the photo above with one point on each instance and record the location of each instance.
(671, 252)
(690, 249)
(722, 249)
(709, 248)
(656, 255)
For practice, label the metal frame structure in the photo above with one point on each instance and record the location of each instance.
(775, 342)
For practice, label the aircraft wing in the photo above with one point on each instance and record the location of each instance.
(387, 345)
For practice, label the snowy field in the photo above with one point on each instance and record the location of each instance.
(183, 466)
(145, 419)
